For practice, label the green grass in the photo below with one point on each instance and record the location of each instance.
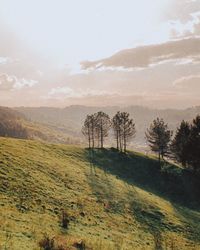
(114, 201)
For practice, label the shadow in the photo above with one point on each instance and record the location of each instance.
(168, 181)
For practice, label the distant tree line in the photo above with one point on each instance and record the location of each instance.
(183, 147)
(10, 124)
(13, 129)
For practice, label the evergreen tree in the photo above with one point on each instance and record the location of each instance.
(102, 126)
(158, 137)
(88, 129)
(124, 129)
(194, 145)
(180, 144)
(116, 124)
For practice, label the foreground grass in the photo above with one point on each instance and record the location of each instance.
(114, 201)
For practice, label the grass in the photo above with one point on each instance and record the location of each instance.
(113, 201)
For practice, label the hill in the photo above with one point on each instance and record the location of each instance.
(10, 123)
(70, 119)
(112, 200)
(15, 124)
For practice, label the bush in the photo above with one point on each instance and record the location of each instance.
(65, 220)
(80, 245)
(47, 243)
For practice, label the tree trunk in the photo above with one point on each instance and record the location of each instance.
(89, 140)
(125, 144)
(101, 135)
(124, 137)
(159, 156)
(120, 141)
(92, 136)
(117, 140)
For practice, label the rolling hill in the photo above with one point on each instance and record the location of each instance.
(111, 200)
(15, 124)
(70, 119)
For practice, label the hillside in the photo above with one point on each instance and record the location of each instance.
(113, 201)
(10, 123)
(15, 124)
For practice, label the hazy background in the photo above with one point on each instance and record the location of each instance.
(97, 53)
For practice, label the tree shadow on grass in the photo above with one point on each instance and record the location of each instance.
(170, 182)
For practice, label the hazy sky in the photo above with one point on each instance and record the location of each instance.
(63, 52)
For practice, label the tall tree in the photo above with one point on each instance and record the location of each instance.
(194, 145)
(102, 126)
(124, 129)
(88, 129)
(158, 136)
(180, 144)
(127, 129)
(116, 124)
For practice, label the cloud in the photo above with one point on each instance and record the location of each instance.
(5, 60)
(144, 56)
(188, 83)
(186, 29)
(67, 92)
(8, 83)
(182, 10)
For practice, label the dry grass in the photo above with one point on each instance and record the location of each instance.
(106, 209)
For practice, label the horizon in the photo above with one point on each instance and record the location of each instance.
(103, 107)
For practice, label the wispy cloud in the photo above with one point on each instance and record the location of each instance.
(67, 92)
(147, 55)
(8, 83)
(189, 83)
(5, 60)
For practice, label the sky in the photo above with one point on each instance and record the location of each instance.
(97, 53)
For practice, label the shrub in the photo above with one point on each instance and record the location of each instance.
(47, 243)
(80, 245)
(65, 220)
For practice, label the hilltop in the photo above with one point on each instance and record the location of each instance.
(113, 200)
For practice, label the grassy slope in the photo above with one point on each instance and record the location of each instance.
(47, 133)
(114, 201)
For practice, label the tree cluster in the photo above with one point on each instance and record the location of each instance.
(185, 146)
(97, 126)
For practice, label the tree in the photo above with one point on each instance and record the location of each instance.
(102, 126)
(194, 145)
(158, 137)
(116, 124)
(180, 144)
(124, 129)
(88, 129)
(128, 129)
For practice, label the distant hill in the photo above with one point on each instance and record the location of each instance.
(70, 119)
(15, 124)
(11, 124)
(112, 201)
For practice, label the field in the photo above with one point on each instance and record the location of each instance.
(112, 200)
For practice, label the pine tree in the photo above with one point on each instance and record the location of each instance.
(158, 137)
(180, 144)
(194, 145)
(88, 130)
(116, 124)
(124, 129)
(102, 126)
